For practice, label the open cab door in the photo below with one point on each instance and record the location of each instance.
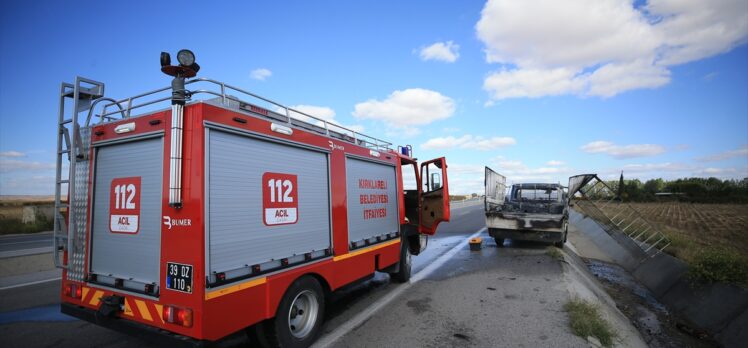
(434, 197)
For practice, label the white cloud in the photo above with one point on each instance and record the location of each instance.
(554, 163)
(407, 108)
(623, 151)
(321, 112)
(693, 29)
(469, 142)
(614, 78)
(710, 76)
(465, 179)
(532, 83)
(12, 154)
(741, 152)
(442, 51)
(601, 47)
(657, 167)
(516, 171)
(10, 165)
(260, 74)
(671, 171)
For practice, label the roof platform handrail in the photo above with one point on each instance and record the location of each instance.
(222, 93)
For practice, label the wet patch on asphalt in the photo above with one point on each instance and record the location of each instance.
(420, 306)
(45, 313)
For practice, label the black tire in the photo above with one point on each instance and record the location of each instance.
(297, 322)
(403, 273)
(499, 242)
(566, 233)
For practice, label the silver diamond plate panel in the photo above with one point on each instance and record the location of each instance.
(80, 212)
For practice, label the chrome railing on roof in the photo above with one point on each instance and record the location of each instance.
(123, 110)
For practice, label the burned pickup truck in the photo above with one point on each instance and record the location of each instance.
(528, 212)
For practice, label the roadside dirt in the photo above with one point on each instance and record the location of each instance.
(26, 264)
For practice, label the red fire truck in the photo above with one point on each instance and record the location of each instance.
(195, 221)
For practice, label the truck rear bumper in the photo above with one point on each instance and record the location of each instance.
(525, 222)
(132, 328)
(525, 235)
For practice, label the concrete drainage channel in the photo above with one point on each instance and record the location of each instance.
(657, 294)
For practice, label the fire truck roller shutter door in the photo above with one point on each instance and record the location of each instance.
(372, 201)
(267, 201)
(126, 226)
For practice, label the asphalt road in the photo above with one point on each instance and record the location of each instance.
(27, 311)
(19, 242)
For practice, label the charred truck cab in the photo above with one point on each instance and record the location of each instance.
(528, 212)
(195, 221)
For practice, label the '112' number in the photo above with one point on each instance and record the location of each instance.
(124, 194)
(278, 186)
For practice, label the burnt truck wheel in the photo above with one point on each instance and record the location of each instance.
(299, 317)
(403, 273)
(566, 233)
(499, 241)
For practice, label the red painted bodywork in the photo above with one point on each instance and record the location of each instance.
(217, 317)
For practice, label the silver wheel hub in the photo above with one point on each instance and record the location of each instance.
(303, 314)
(407, 257)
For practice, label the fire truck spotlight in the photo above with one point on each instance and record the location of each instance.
(186, 57)
(165, 59)
(178, 315)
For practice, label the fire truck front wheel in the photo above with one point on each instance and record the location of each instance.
(403, 273)
(299, 317)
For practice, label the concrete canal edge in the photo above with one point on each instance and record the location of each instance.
(721, 309)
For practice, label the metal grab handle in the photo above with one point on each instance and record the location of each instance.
(93, 106)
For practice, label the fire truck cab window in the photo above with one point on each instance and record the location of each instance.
(432, 177)
(409, 170)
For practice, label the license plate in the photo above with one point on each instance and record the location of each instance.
(179, 277)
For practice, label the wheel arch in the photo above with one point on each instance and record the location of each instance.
(276, 300)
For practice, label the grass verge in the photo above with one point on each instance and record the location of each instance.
(585, 320)
(554, 252)
(13, 226)
(719, 265)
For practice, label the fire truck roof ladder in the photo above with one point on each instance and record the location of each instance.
(70, 237)
(273, 111)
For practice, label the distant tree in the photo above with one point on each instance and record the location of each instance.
(621, 185)
(653, 186)
(697, 190)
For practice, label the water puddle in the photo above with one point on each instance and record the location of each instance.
(617, 275)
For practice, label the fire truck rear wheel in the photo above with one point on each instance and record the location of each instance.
(403, 274)
(299, 317)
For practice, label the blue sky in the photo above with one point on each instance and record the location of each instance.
(536, 90)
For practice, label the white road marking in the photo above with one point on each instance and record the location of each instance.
(28, 242)
(330, 338)
(30, 283)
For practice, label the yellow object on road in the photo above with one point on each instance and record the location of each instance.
(475, 243)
